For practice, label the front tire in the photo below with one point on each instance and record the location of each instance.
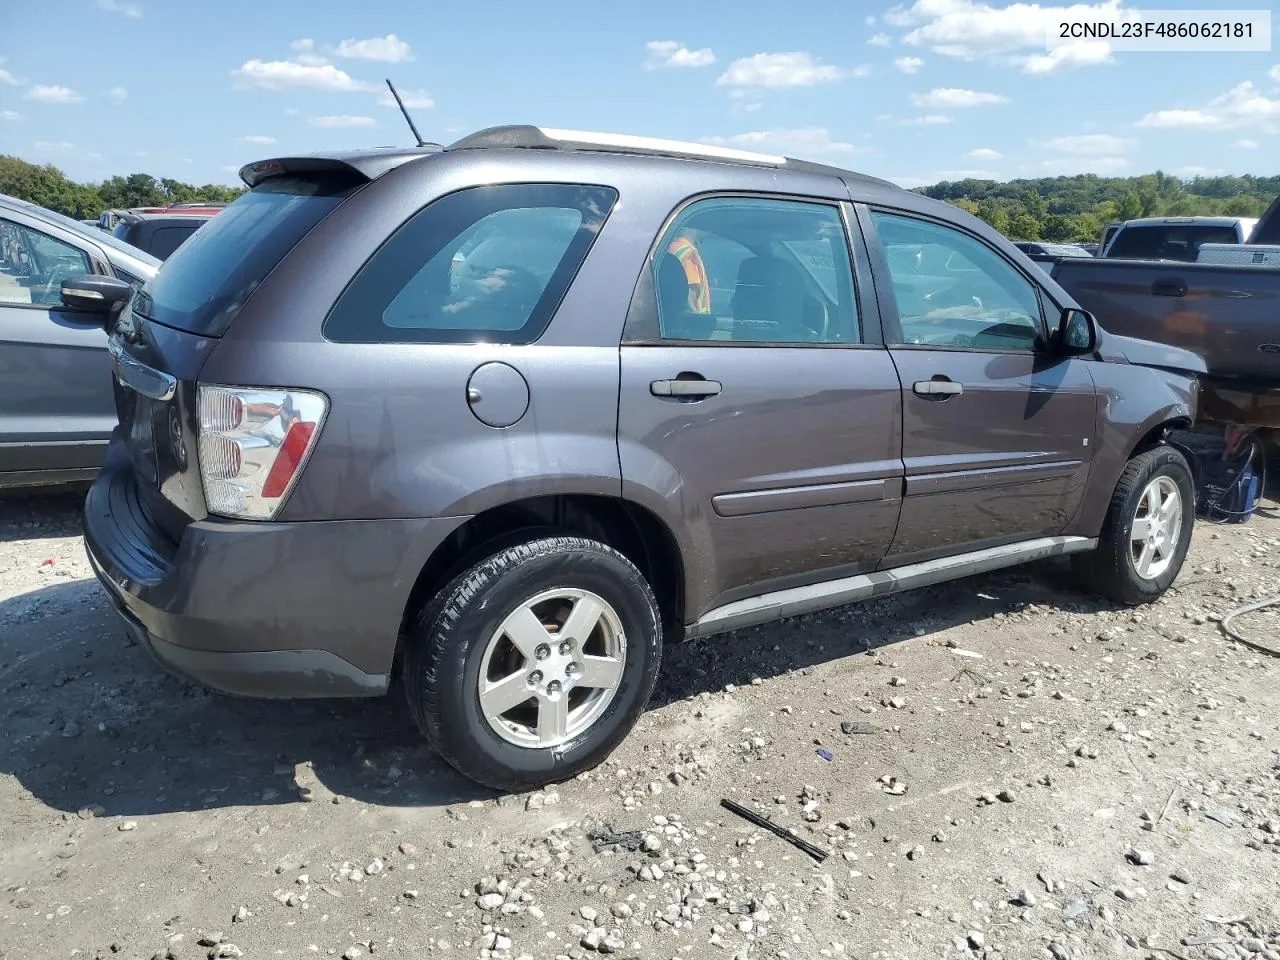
(1147, 530)
(532, 666)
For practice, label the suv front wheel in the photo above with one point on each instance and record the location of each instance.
(531, 666)
(1146, 532)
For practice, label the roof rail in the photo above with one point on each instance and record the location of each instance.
(553, 138)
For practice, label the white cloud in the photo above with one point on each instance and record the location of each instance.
(869, 19)
(122, 7)
(1070, 166)
(880, 40)
(908, 64)
(672, 53)
(306, 53)
(795, 69)
(926, 120)
(1084, 54)
(798, 141)
(289, 75)
(118, 95)
(1091, 144)
(973, 29)
(10, 115)
(264, 141)
(53, 145)
(860, 71)
(1246, 144)
(984, 153)
(1191, 171)
(413, 99)
(388, 49)
(52, 93)
(951, 98)
(342, 121)
(9, 78)
(1274, 74)
(1241, 107)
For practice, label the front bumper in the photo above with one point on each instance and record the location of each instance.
(308, 609)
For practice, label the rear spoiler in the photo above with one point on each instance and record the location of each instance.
(365, 164)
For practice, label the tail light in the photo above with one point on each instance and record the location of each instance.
(253, 443)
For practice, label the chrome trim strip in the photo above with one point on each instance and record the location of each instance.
(138, 376)
(834, 593)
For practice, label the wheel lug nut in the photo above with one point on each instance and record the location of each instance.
(571, 670)
(535, 678)
(542, 652)
(565, 647)
(553, 687)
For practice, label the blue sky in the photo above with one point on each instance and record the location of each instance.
(918, 92)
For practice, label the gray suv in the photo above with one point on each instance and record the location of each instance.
(497, 421)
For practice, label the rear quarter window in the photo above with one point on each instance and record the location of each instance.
(485, 264)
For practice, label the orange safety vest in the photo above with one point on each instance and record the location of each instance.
(686, 251)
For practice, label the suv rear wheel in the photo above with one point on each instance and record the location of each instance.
(1147, 530)
(532, 665)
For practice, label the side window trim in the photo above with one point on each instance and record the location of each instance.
(891, 320)
(642, 328)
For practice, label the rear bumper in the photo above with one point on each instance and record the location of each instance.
(260, 609)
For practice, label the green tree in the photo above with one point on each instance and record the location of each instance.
(996, 216)
(49, 187)
(1058, 227)
(1129, 208)
(1024, 227)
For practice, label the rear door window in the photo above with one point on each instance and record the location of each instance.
(486, 264)
(211, 276)
(165, 240)
(756, 270)
(1167, 242)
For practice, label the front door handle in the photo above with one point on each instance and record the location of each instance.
(685, 388)
(937, 389)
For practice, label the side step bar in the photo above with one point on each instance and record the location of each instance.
(834, 593)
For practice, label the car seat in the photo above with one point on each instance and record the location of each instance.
(770, 294)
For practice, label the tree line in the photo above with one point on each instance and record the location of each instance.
(1049, 208)
(48, 186)
(1077, 208)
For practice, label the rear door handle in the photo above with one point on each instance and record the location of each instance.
(685, 388)
(937, 389)
(1169, 287)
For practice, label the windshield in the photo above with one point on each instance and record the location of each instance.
(210, 277)
(1167, 241)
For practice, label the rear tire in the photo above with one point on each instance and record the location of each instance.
(1147, 530)
(515, 708)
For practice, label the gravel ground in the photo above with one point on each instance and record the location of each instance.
(1000, 767)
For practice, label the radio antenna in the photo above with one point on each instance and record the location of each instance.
(407, 119)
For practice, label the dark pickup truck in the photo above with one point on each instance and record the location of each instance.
(1230, 315)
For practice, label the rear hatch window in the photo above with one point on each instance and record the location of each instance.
(209, 278)
(1167, 242)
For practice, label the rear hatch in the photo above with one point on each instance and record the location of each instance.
(160, 344)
